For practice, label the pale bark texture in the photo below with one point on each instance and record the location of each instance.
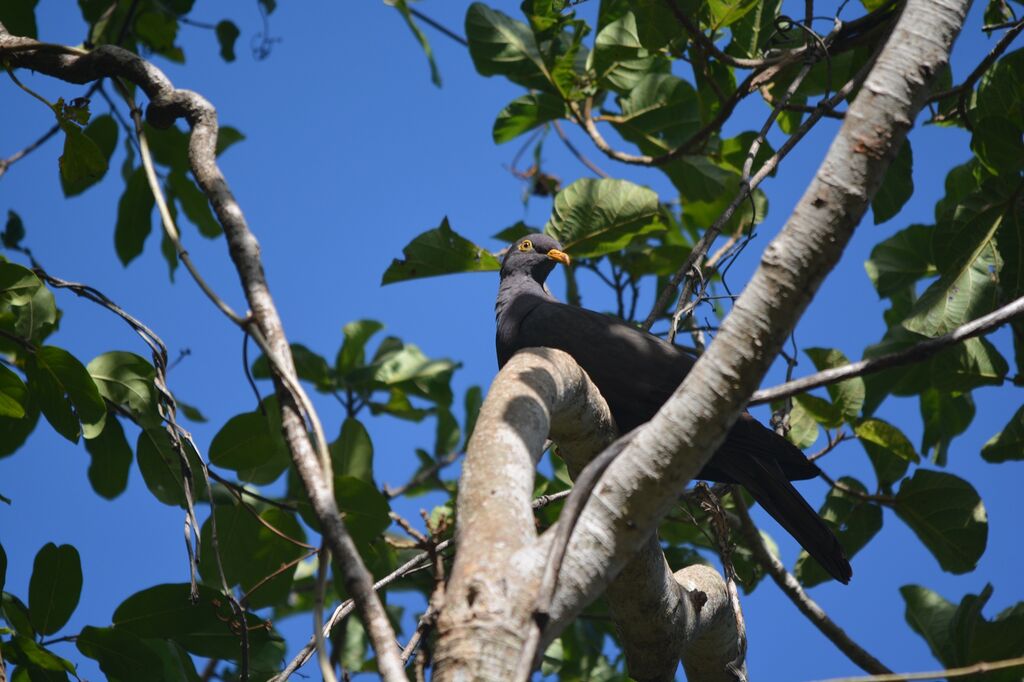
(500, 558)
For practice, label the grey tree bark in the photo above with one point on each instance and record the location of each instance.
(500, 557)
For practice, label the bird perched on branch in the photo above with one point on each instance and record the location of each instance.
(636, 373)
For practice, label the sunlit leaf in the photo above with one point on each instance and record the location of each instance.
(594, 217)
(440, 251)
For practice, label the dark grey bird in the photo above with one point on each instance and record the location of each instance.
(636, 373)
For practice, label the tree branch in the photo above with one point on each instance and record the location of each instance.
(983, 667)
(807, 606)
(167, 104)
(916, 353)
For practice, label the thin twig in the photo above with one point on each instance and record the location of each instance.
(916, 353)
(17, 156)
(792, 589)
(576, 152)
(982, 67)
(974, 669)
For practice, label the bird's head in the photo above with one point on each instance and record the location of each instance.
(534, 255)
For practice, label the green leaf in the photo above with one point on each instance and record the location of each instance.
(502, 46)
(930, 616)
(352, 353)
(514, 232)
(957, 297)
(15, 613)
(352, 452)
(157, 30)
(364, 508)
(901, 260)
(656, 25)
(121, 655)
(162, 470)
(14, 431)
(659, 114)
(111, 459)
(251, 444)
(848, 395)
(227, 34)
(126, 380)
(54, 588)
(206, 628)
(822, 411)
(945, 512)
(82, 164)
(619, 58)
(440, 251)
(890, 451)
(37, 319)
(999, 91)
(42, 664)
(803, 428)
(945, 415)
(17, 284)
(272, 552)
(1008, 444)
(309, 366)
(897, 186)
(194, 204)
(227, 137)
(526, 113)
(66, 393)
(997, 143)
(175, 662)
(447, 437)
(191, 412)
(594, 217)
(14, 231)
(19, 17)
(13, 394)
(752, 34)
(855, 521)
(134, 217)
(726, 12)
(474, 400)
(403, 9)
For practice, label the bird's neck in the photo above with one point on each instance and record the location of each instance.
(512, 288)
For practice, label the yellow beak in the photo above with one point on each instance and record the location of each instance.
(560, 256)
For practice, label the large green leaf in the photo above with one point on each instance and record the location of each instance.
(40, 663)
(847, 396)
(594, 217)
(897, 185)
(803, 427)
(251, 444)
(957, 297)
(659, 114)
(502, 46)
(890, 451)
(37, 319)
(655, 24)
(364, 507)
(945, 414)
(66, 393)
(352, 452)
(440, 251)
(134, 217)
(752, 34)
(901, 260)
(945, 512)
(111, 459)
(352, 353)
(54, 588)
(100, 140)
(726, 12)
(19, 17)
(206, 628)
(1008, 444)
(17, 284)
(82, 164)
(619, 58)
(997, 143)
(122, 655)
(13, 394)
(403, 9)
(126, 380)
(1000, 89)
(960, 635)
(162, 471)
(855, 521)
(526, 113)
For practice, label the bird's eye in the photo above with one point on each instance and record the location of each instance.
(526, 245)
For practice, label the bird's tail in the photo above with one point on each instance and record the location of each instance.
(769, 486)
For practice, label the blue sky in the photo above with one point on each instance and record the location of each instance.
(351, 152)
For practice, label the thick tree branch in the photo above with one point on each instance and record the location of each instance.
(642, 484)
(497, 572)
(167, 104)
(916, 353)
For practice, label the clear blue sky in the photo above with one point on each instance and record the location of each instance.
(350, 152)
